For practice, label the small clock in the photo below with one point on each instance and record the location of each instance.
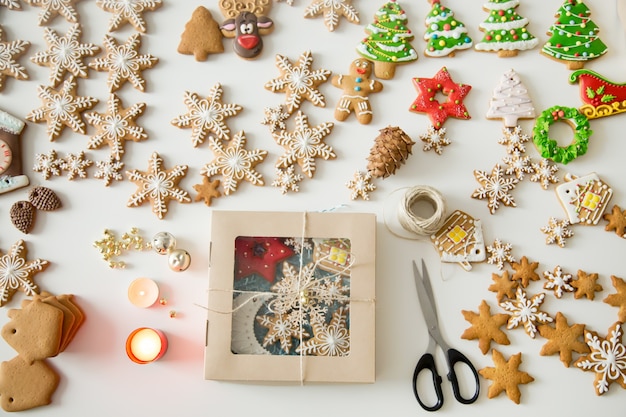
(11, 175)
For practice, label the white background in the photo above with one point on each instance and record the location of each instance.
(96, 376)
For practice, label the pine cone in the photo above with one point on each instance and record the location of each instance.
(44, 198)
(23, 216)
(391, 149)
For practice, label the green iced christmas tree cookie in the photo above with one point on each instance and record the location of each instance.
(444, 33)
(505, 30)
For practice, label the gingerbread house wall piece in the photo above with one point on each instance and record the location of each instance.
(460, 239)
(584, 198)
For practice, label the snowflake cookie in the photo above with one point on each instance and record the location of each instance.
(126, 11)
(53, 8)
(61, 108)
(11, 4)
(304, 144)
(558, 281)
(275, 118)
(76, 165)
(9, 52)
(17, 273)
(206, 115)
(158, 185)
(124, 63)
(116, 126)
(109, 170)
(499, 253)
(543, 173)
(435, 139)
(518, 165)
(557, 231)
(607, 358)
(287, 179)
(65, 54)
(332, 10)
(48, 164)
(332, 339)
(495, 187)
(234, 163)
(514, 139)
(361, 185)
(563, 339)
(299, 82)
(526, 311)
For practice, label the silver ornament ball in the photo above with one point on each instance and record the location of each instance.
(179, 260)
(163, 242)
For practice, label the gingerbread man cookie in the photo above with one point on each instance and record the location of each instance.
(356, 85)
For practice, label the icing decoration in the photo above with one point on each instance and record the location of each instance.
(332, 339)
(444, 33)
(275, 118)
(356, 86)
(75, 164)
(557, 231)
(109, 170)
(543, 173)
(499, 253)
(387, 43)
(549, 148)
(234, 163)
(510, 101)
(259, 255)
(600, 96)
(435, 139)
(298, 81)
(584, 199)
(17, 273)
(332, 11)
(517, 165)
(128, 12)
(48, 164)
(287, 179)
(53, 8)
(246, 22)
(607, 358)
(9, 52)
(514, 140)
(616, 221)
(11, 4)
(526, 311)
(361, 185)
(495, 187)
(505, 30)
(558, 281)
(574, 36)
(426, 102)
(460, 239)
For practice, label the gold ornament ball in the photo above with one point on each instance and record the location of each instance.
(163, 242)
(179, 260)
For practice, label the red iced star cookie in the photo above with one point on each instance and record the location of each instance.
(259, 255)
(426, 101)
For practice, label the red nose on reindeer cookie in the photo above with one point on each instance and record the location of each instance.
(356, 85)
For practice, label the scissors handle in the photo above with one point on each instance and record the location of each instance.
(427, 361)
(453, 357)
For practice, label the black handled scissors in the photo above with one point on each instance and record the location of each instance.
(427, 361)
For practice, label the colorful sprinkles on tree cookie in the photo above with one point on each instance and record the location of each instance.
(426, 101)
(444, 33)
(549, 148)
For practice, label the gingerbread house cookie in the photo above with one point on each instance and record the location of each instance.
(584, 198)
(460, 239)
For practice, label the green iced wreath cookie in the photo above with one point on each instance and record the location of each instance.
(549, 148)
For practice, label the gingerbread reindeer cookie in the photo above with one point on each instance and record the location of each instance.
(356, 85)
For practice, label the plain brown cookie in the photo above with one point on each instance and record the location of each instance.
(485, 327)
(525, 271)
(586, 285)
(563, 339)
(202, 35)
(503, 285)
(26, 385)
(506, 376)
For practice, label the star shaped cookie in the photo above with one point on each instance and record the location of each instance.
(586, 285)
(16, 273)
(9, 52)
(128, 11)
(526, 311)
(426, 101)
(234, 163)
(116, 126)
(332, 339)
(299, 82)
(61, 108)
(206, 115)
(109, 170)
(361, 185)
(124, 63)
(525, 271)
(207, 191)
(495, 187)
(563, 339)
(158, 185)
(618, 299)
(485, 327)
(53, 8)
(304, 144)
(332, 10)
(616, 221)
(65, 54)
(503, 285)
(506, 376)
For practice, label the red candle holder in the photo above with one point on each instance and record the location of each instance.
(146, 345)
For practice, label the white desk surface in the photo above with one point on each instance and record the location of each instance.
(98, 379)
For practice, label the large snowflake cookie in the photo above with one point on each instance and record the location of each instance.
(65, 54)
(234, 163)
(607, 358)
(332, 10)
(9, 52)
(158, 185)
(299, 82)
(61, 108)
(525, 311)
(124, 63)
(53, 8)
(207, 115)
(128, 11)
(329, 339)
(495, 187)
(17, 273)
(116, 126)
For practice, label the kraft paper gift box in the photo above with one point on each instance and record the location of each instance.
(291, 297)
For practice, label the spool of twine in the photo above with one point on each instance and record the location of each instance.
(414, 223)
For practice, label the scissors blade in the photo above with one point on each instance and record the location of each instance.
(425, 296)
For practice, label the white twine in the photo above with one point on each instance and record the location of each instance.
(410, 221)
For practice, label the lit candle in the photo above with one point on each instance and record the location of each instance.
(143, 292)
(145, 345)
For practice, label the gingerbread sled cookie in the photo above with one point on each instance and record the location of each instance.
(356, 85)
